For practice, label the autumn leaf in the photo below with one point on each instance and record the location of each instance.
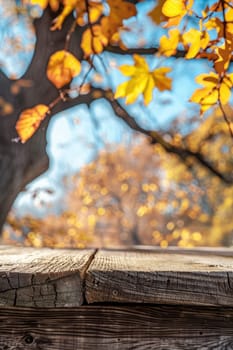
(209, 80)
(224, 55)
(195, 40)
(62, 68)
(69, 6)
(95, 10)
(175, 10)
(162, 82)
(224, 92)
(120, 10)
(156, 13)
(113, 23)
(6, 108)
(54, 4)
(93, 40)
(30, 120)
(168, 46)
(216, 89)
(207, 96)
(42, 3)
(143, 81)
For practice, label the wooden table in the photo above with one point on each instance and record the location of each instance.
(141, 298)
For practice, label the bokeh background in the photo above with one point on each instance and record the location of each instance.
(108, 185)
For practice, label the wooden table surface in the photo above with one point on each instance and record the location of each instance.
(69, 278)
(116, 299)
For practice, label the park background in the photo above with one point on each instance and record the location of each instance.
(107, 185)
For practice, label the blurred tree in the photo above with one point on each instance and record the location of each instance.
(127, 196)
(71, 34)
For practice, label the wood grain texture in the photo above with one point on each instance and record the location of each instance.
(161, 278)
(42, 277)
(121, 327)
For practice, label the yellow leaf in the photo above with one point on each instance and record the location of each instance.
(62, 68)
(127, 70)
(230, 77)
(95, 10)
(229, 14)
(121, 90)
(162, 82)
(169, 45)
(208, 80)
(54, 4)
(140, 63)
(173, 8)
(196, 40)
(42, 3)
(148, 91)
(192, 38)
(224, 93)
(142, 81)
(29, 121)
(205, 39)
(206, 97)
(135, 87)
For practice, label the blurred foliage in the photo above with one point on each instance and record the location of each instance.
(140, 194)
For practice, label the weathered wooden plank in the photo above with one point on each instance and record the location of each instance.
(42, 277)
(219, 251)
(164, 278)
(107, 327)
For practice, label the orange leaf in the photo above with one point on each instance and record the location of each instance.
(162, 82)
(93, 41)
(29, 121)
(156, 14)
(54, 4)
(111, 24)
(95, 10)
(62, 68)
(69, 6)
(5, 107)
(120, 10)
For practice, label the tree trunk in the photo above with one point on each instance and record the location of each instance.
(21, 163)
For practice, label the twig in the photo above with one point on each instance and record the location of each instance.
(69, 35)
(225, 118)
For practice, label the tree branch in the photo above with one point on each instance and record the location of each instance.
(140, 51)
(183, 153)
